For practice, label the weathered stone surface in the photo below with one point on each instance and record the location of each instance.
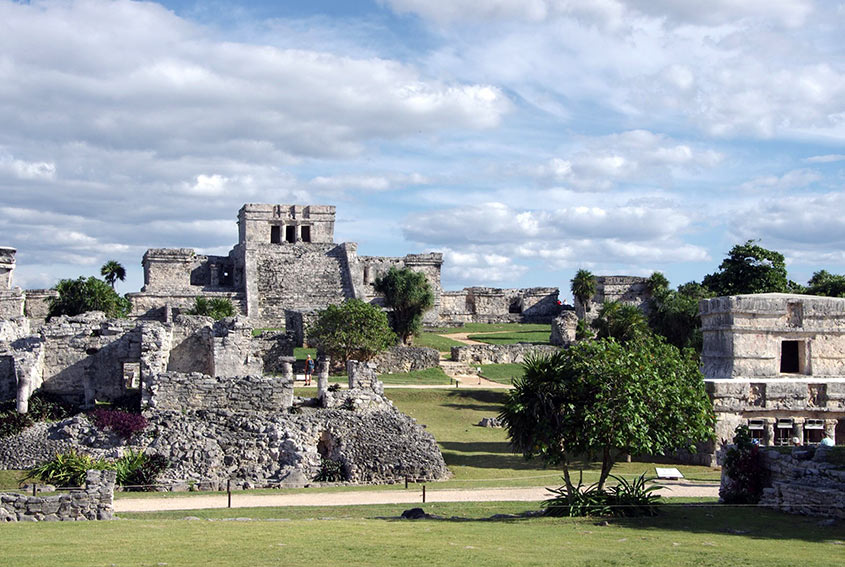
(496, 305)
(406, 359)
(563, 329)
(94, 502)
(499, 354)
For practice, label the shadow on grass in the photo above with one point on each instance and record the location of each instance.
(463, 399)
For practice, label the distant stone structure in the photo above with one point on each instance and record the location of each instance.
(776, 363)
(285, 259)
(496, 305)
(632, 290)
(14, 302)
(95, 501)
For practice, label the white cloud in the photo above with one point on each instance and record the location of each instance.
(207, 185)
(828, 158)
(368, 183)
(27, 170)
(804, 221)
(794, 179)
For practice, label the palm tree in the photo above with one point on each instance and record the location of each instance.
(113, 271)
(621, 321)
(583, 287)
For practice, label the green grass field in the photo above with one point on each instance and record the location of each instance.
(435, 341)
(513, 337)
(501, 373)
(480, 328)
(427, 376)
(692, 536)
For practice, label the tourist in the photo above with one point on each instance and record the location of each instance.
(309, 370)
(827, 441)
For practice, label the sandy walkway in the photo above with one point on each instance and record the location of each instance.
(410, 496)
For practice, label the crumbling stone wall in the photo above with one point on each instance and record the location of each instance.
(94, 502)
(406, 359)
(37, 304)
(370, 268)
(176, 391)
(498, 354)
(631, 290)
(495, 305)
(564, 327)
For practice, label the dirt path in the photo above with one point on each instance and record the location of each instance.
(464, 337)
(411, 496)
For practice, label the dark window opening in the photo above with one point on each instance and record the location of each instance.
(813, 431)
(789, 360)
(275, 235)
(515, 305)
(757, 429)
(290, 233)
(306, 234)
(783, 432)
(226, 278)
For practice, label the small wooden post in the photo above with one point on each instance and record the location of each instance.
(229, 492)
(406, 483)
(423, 494)
(34, 489)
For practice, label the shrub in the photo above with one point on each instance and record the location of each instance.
(124, 423)
(12, 423)
(334, 387)
(83, 295)
(745, 470)
(331, 470)
(216, 308)
(42, 407)
(134, 469)
(625, 499)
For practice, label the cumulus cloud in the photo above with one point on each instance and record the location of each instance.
(26, 170)
(794, 179)
(827, 158)
(626, 156)
(369, 183)
(797, 221)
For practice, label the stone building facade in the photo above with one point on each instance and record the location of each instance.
(496, 305)
(776, 362)
(285, 259)
(15, 302)
(632, 290)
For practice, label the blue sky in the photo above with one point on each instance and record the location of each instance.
(522, 138)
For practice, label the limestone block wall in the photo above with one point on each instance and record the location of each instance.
(177, 391)
(301, 276)
(499, 354)
(272, 347)
(564, 327)
(372, 267)
(744, 335)
(496, 305)
(11, 303)
(406, 359)
(94, 502)
(234, 352)
(37, 304)
(84, 356)
(632, 290)
(7, 267)
(256, 222)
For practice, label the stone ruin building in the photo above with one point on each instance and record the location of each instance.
(776, 363)
(286, 265)
(15, 302)
(219, 402)
(632, 290)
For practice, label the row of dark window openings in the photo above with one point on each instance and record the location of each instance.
(290, 234)
(813, 431)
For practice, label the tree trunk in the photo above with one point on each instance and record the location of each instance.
(606, 466)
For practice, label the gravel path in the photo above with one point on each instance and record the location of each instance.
(410, 496)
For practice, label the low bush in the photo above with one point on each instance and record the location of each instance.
(136, 470)
(12, 423)
(744, 468)
(625, 499)
(42, 407)
(330, 471)
(124, 423)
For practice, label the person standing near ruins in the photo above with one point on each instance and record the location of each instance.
(309, 370)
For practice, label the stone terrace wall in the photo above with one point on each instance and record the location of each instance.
(799, 485)
(406, 359)
(495, 305)
(94, 502)
(498, 354)
(176, 391)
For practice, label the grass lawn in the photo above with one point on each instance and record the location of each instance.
(435, 341)
(513, 337)
(501, 373)
(681, 536)
(9, 479)
(427, 376)
(491, 327)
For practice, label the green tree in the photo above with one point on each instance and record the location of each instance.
(621, 321)
(825, 283)
(113, 271)
(83, 295)
(749, 269)
(602, 399)
(409, 295)
(353, 330)
(674, 314)
(583, 287)
(217, 308)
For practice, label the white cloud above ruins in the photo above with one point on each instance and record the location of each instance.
(523, 139)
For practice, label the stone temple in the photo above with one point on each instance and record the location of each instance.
(286, 262)
(776, 363)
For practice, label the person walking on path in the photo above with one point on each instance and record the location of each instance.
(309, 370)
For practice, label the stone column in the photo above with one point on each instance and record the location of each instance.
(298, 232)
(830, 428)
(770, 430)
(798, 428)
(322, 376)
(287, 368)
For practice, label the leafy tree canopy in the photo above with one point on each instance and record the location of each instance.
(621, 321)
(674, 314)
(83, 295)
(602, 398)
(749, 269)
(217, 308)
(825, 283)
(353, 330)
(113, 271)
(409, 295)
